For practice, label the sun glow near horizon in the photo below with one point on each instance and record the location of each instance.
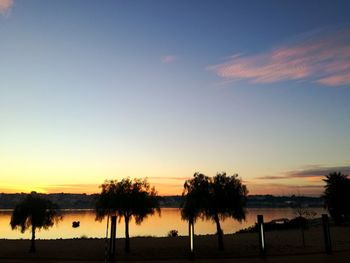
(166, 187)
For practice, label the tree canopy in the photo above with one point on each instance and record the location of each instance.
(34, 212)
(214, 198)
(196, 196)
(337, 196)
(126, 199)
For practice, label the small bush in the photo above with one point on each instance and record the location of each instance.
(173, 233)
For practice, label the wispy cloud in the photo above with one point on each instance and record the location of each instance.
(169, 178)
(313, 172)
(272, 177)
(168, 59)
(323, 58)
(5, 6)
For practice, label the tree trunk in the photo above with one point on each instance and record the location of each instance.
(127, 240)
(303, 236)
(112, 239)
(219, 232)
(32, 243)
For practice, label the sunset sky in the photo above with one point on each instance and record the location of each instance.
(95, 90)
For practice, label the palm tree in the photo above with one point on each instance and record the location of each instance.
(126, 199)
(34, 212)
(215, 197)
(337, 196)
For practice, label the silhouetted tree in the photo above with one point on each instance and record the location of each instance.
(303, 215)
(214, 198)
(196, 196)
(126, 199)
(337, 196)
(228, 199)
(34, 212)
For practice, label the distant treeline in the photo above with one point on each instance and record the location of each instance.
(64, 201)
(85, 201)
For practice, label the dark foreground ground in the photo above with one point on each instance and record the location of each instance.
(282, 246)
(339, 257)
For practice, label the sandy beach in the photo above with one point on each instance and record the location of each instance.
(245, 245)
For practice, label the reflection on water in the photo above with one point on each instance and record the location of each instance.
(152, 226)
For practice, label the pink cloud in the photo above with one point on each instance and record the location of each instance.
(168, 58)
(336, 80)
(324, 58)
(5, 6)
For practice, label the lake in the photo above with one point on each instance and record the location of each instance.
(152, 226)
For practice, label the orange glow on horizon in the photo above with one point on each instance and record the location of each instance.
(167, 189)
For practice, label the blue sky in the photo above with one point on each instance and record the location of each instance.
(94, 90)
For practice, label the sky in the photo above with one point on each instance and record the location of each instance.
(96, 90)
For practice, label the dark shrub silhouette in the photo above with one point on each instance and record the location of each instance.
(173, 233)
(126, 199)
(275, 225)
(214, 198)
(337, 196)
(34, 212)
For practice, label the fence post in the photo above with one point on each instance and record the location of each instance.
(191, 240)
(326, 234)
(112, 240)
(261, 232)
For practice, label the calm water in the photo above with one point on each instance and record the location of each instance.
(153, 226)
